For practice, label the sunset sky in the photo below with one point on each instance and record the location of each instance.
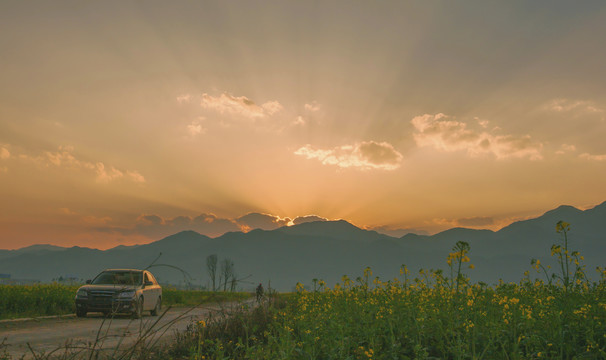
(122, 122)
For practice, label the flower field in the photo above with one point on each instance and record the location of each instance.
(424, 318)
(433, 315)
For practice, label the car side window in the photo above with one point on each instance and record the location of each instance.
(147, 278)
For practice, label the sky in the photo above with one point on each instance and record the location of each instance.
(122, 122)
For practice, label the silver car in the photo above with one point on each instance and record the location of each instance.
(115, 291)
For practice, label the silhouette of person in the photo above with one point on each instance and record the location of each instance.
(259, 292)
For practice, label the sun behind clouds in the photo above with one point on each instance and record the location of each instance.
(123, 124)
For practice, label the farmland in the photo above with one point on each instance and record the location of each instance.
(36, 300)
(416, 319)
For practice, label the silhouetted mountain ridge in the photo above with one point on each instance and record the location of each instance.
(327, 250)
(339, 229)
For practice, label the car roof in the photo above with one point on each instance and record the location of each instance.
(124, 270)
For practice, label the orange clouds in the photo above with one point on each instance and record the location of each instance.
(4, 153)
(440, 132)
(591, 157)
(364, 156)
(476, 221)
(64, 158)
(228, 104)
(155, 227)
(228, 110)
(569, 105)
(313, 107)
(195, 128)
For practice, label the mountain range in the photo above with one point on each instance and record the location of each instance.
(326, 250)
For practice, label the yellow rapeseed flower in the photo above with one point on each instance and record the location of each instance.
(562, 226)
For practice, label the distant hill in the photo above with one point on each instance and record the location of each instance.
(326, 250)
(30, 250)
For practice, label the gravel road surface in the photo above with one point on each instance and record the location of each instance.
(71, 334)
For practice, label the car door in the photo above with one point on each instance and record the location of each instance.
(149, 298)
(157, 287)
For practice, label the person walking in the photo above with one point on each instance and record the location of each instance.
(259, 292)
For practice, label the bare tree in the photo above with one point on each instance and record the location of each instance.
(233, 282)
(227, 271)
(211, 266)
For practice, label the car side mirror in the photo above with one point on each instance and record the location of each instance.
(148, 283)
(89, 281)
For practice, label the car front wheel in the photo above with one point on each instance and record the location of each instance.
(138, 311)
(80, 313)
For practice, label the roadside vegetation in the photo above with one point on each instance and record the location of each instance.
(17, 301)
(20, 301)
(185, 298)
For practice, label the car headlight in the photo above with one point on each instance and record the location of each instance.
(82, 293)
(127, 294)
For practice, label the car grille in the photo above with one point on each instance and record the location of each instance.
(101, 296)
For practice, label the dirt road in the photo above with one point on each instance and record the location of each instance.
(71, 334)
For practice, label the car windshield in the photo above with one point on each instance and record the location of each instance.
(118, 278)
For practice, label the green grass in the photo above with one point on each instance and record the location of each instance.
(173, 297)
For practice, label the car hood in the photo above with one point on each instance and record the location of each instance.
(115, 288)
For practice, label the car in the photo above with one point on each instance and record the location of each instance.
(114, 291)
